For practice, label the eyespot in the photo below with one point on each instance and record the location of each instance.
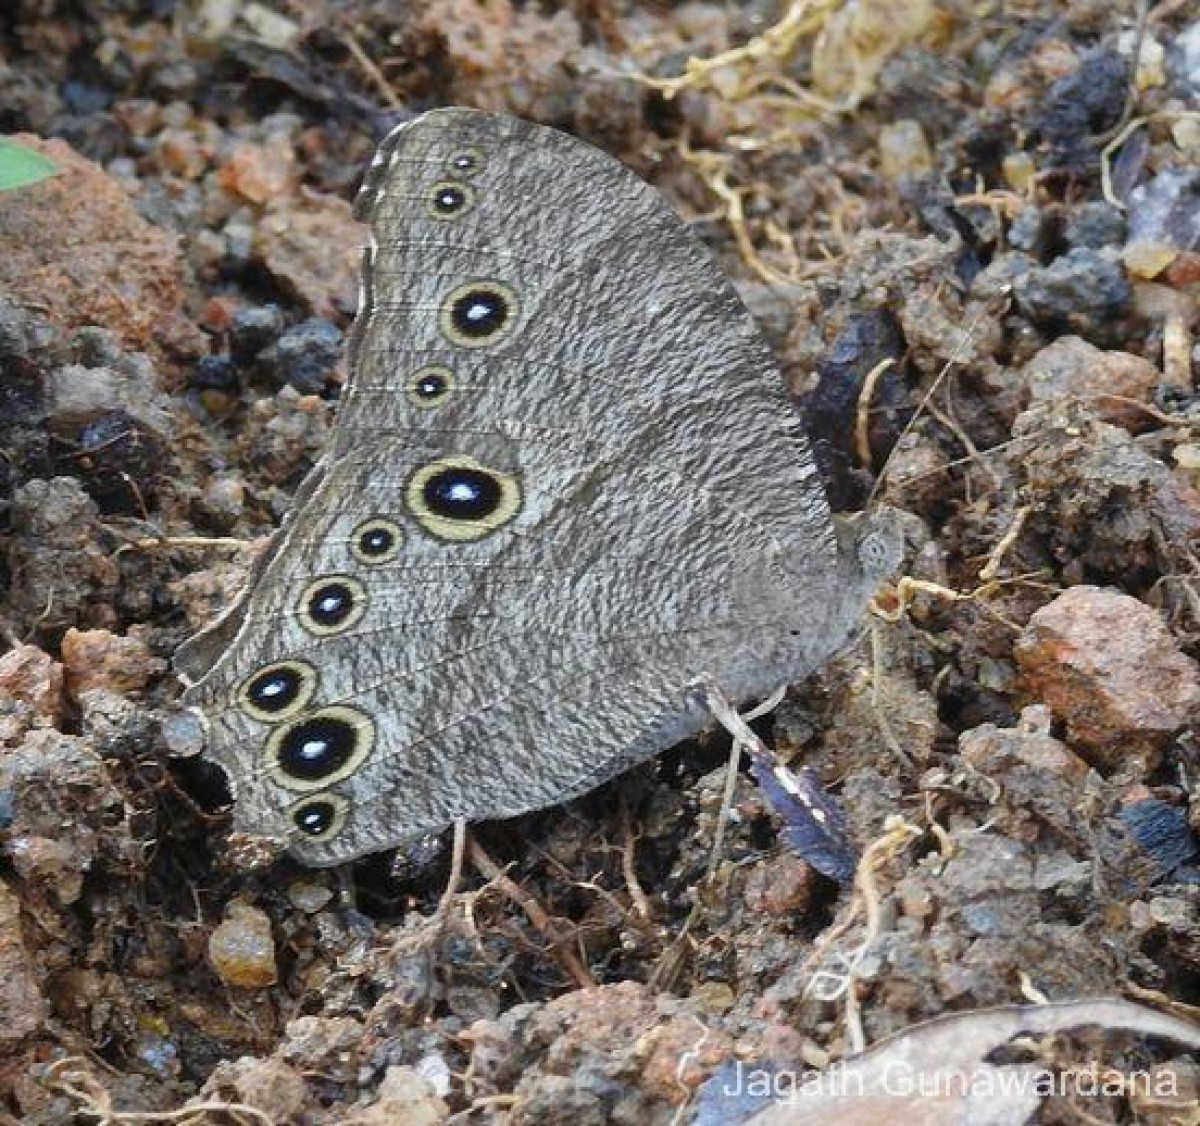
(321, 748)
(321, 817)
(332, 604)
(276, 692)
(430, 386)
(376, 541)
(465, 162)
(878, 554)
(448, 199)
(458, 499)
(478, 313)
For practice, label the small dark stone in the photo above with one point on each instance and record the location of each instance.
(29, 344)
(304, 356)
(99, 136)
(254, 328)
(84, 98)
(1028, 231)
(117, 459)
(1094, 225)
(214, 373)
(1083, 290)
(1080, 107)
(1163, 831)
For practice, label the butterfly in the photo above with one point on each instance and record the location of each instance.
(566, 485)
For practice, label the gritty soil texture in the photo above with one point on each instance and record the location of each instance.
(962, 278)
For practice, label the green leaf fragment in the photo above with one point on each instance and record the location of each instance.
(20, 166)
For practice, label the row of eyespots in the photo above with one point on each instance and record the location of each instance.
(312, 751)
(480, 312)
(453, 499)
(450, 197)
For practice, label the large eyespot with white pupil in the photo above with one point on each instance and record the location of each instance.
(479, 313)
(320, 748)
(429, 386)
(319, 818)
(457, 499)
(331, 605)
(376, 541)
(465, 162)
(277, 692)
(448, 199)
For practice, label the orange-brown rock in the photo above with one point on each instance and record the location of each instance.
(1107, 665)
(76, 249)
(95, 658)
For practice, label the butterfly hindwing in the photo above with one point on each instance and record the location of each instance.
(565, 483)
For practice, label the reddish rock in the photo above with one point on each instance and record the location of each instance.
(76, 249)
(260, 173)
(28, 674)
(95, 658)
(1111, 384)
(509, 58)
(22, 1006)
(782, 886)
(1106, 664)
(597, 1039)
(680, 1055)
(987, 747)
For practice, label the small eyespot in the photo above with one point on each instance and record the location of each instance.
(466, 162)
(320, 818)
(878, 554)
(376, 541)
(277, 692)
(449, 200)
(430, 386)
(478, 313)
(458, 499)
(321, 748)
(332, 604)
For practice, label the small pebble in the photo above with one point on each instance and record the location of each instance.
(253, 329)
(904, 151)
(242, 950)
(96, 658)
(29, 674)
(304, 356)
(1084, 290)
(309, 898)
